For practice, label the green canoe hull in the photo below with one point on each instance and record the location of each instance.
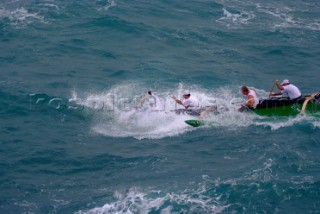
(286, 107)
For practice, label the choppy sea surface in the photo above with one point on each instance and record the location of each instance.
(73, 71)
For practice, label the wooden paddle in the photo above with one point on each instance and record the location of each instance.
(303, 109)
(272, 88)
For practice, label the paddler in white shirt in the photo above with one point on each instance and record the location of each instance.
(190, 103)
(252, 99)
(286, 88)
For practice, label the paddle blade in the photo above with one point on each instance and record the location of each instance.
(194, 123)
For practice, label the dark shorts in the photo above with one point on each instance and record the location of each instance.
(296, 99)
(193, 112)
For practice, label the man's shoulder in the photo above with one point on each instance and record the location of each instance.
(252, 92)
(290, 86)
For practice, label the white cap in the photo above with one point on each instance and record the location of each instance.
(186, 92)
(285, 82)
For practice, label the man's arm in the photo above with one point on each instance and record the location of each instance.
(178, 101)
(250, 101)
(280, 87)
(275, 94)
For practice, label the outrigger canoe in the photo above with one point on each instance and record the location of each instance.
(279, 106)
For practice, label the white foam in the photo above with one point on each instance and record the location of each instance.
(20, 16)
(314, 26)
(284, 18)
(316, 124)
(47, 5)
(136, 201)
(279, 122)
(140, 125)
(110, 3)
(236, 19)
(276, 123)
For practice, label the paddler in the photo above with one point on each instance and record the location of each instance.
(252, 99)
(286, 88)
(190, 103)
(153, 101)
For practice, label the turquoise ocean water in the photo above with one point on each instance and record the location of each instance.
(72, 72)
